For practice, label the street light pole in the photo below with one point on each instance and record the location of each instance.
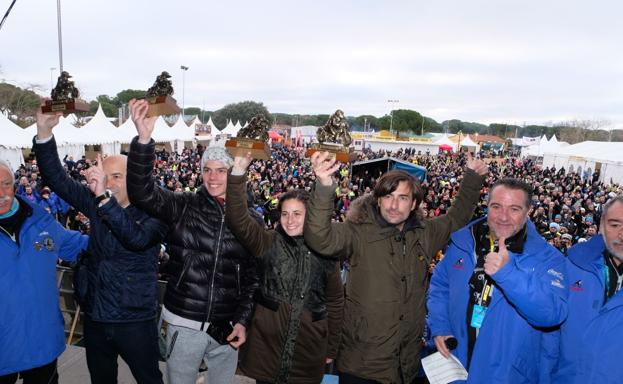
(184, 69)
(60, 34)
(391, 115)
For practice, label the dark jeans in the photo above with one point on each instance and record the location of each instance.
(136, 343)
(346, 378)
(45, 374)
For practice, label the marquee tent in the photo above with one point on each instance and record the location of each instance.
(587, 157)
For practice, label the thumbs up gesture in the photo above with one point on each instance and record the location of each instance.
(494, 261)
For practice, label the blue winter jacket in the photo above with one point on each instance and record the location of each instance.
(587, 285)
(601, 346)
(529, 295)
(31, 323)
(123, 248)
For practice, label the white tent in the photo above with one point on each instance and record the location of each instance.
(230, 130)
(69, 139)
(467, 142)
(542, 146)
(182, 133)
(445, 140)
(587, 157)
(99, 130)
(14, 138)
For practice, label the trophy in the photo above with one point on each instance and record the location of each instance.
(334, 138)
(65, 97)
(159, 97)
(251, 138)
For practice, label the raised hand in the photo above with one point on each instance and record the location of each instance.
(324, 166)
(241, 163)
(96, 177)
(144, 125)
(477, 165)
(46, 122)
(494, 261)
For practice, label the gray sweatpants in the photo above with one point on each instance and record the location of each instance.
(190, 348)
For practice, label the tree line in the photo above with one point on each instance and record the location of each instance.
(21, 104)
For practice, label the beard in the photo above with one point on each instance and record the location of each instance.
(611, 248)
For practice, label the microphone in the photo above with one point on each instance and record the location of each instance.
(451, 343)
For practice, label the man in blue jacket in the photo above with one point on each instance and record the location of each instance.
(496, 290)
(589, 339)
(120, 294)
(31, 324)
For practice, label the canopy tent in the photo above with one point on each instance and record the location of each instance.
(468, 143)
(378, 166)
(588, 157)
(230, 129)
(69, 139)
(446, 147)
(13, 139)
(445, 144)
(274, 135)
(542, 146)
(182, 133)
(99, 130)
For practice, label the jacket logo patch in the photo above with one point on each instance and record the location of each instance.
(577, 286)
(458, 264)
(555, 273)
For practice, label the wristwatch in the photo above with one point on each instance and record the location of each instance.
(106, 195)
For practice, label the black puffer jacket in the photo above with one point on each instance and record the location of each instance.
(213, 278)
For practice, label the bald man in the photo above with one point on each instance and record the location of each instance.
(118, 287)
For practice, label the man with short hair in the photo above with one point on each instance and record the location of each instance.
(389, 247)
(589, 339)
(32, 334)
(208, 303)
(499, 285)
(119, 293)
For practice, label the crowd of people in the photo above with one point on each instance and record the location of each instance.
(254, 250)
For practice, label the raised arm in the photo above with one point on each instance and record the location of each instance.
(440, 228)
(247, 230)
(142, 189)
(321, 235)
(44, 146)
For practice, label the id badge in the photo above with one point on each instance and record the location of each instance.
(478, 315)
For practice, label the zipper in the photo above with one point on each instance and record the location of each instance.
(218, 250)
(184, 270)
(8, 234)
(238, 283)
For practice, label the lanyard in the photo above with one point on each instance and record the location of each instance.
(487, 289)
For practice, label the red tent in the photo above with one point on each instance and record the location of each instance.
(446, 147)
(274, 136)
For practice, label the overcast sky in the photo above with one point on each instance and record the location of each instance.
(487, 61)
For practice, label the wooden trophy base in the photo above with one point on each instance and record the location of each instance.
(162, 105)
(240, 146)
(65, 106)
(339, 152)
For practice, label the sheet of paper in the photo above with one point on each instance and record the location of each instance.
(440, 370)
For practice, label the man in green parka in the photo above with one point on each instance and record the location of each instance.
(389, 247)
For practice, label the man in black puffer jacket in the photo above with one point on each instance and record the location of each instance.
(208, 303)
(118, 292)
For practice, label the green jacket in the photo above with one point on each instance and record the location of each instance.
(298, 306)
(385, 301)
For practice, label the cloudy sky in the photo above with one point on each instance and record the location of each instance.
(488, 61)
